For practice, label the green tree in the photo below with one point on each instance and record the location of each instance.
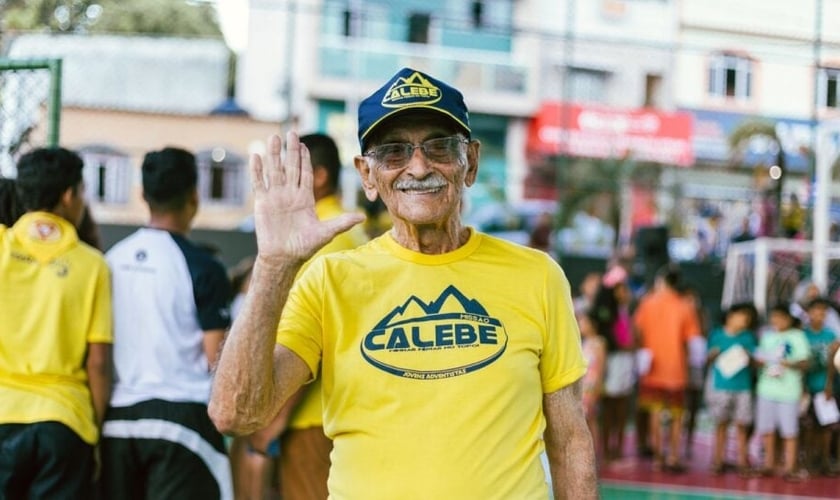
(156, 17)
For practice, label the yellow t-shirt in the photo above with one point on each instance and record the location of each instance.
(55, 298)
(308, 412)
(434, 367)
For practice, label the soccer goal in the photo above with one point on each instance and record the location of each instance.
(767, 271)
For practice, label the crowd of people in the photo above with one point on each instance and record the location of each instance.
(658, 355)
(336, 366)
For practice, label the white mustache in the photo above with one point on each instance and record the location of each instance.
(421, 184)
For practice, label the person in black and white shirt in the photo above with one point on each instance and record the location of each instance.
(171, 311)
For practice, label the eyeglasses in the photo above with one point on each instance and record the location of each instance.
(397, 154)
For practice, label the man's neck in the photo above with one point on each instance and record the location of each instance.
(430, 239)
(172, 222)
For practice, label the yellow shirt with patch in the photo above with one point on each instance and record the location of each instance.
(308, 411)
(434, 367)
(55, 298)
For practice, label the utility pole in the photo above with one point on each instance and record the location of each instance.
(562, 161)
(815, 104)
(288, 91)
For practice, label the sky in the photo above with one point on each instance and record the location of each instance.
(233, 18)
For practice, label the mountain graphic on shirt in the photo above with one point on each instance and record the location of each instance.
(448, 336)
(450, 300)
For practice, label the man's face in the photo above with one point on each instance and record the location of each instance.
(422, 191)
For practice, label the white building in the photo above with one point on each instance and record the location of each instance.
(307, 64)
(770, 61)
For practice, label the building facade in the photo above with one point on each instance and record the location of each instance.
(759, 79)
(309, 62)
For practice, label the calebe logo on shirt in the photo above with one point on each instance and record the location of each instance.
(449, 336)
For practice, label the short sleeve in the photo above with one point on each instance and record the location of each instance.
(714, 340)
(301, 326)
(212, 297)
(562, 362)
(691, 325)
(101, 329)
(803, 348)
(750, 343)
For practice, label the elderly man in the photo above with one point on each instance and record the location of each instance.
(449, 359)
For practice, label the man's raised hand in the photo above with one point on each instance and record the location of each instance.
(285, 223)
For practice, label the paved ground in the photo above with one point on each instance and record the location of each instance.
(631, 478)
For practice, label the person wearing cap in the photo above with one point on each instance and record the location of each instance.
(449, 359)
(171, 311)
(55, 335)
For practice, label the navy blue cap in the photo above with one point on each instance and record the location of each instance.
(411, 90)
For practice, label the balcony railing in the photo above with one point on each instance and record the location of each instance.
(473, 71)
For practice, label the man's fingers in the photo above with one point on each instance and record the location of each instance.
(276, 175)
(343, 222)
(292, 157)
(257, 180)
(306, 175)
(294, 175)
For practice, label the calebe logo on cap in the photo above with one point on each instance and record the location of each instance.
(410, 91)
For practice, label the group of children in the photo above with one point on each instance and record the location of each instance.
(772, 382)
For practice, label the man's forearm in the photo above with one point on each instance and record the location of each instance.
(99, 368)
(245, 394)
(574, 475)
(571, 453)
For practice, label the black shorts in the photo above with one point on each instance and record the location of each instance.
(163, 450)
(44, 460)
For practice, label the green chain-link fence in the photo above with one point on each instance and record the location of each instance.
(30, 108)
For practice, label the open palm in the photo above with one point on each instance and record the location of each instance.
(284, 205)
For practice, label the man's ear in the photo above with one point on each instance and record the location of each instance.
(194, 199)
(67, 197)
(366, 176)
(473, 154)
(320, 177)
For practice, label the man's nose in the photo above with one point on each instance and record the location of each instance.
(418, 164)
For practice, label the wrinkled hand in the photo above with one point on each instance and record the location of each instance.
(285, 223)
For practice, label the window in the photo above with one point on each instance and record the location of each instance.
(347, 22)
(730, 76)
(221, 176)
(827, 87)
(107, 174)
(418, 27)
(587, 85)
(477, 14)
(653, 91)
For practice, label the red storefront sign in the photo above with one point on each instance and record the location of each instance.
(601, 132)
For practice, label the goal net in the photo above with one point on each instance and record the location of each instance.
(767, 271)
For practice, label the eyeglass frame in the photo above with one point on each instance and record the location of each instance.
(371, 153)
